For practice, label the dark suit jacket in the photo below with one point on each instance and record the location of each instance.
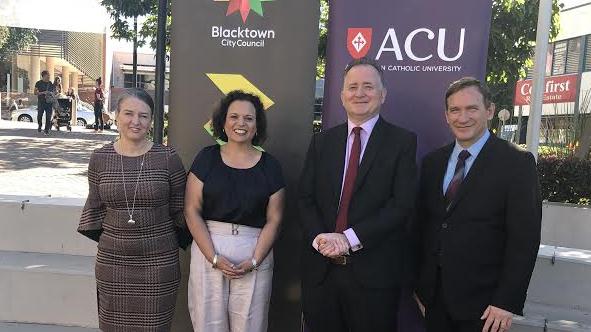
(487, 242)
(382, 202)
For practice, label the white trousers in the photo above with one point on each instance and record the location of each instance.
(219, 304)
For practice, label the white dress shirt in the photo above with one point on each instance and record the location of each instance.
(366, 129)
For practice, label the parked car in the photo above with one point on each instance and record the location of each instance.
(84, 115)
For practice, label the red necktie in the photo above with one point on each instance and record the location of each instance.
(352, 168)
(456, 181)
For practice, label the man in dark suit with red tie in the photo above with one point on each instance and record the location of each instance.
(479, 221)
(356, 197)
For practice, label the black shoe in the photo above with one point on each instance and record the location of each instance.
(39, 129)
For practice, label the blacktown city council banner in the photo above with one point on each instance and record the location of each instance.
(268, 47)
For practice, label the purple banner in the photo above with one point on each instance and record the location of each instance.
(422, 46)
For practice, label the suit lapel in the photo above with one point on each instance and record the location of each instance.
(441, 168)
(371, 151)
(478, 167)
(337, 149)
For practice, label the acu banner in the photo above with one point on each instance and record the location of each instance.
(421, 45)
(268, 47)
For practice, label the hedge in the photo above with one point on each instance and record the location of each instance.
(566, 180)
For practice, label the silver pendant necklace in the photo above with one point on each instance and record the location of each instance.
(130, 212)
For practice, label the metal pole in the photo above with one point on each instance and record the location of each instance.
(535, 109)
(8, 87)
(135, 52)
(160, 71)
(519, 124)
(577, 116)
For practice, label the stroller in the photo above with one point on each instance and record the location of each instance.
(63, 114)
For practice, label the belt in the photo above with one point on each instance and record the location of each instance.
(340, 260)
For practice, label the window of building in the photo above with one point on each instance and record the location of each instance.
(128, 81)
(559, 58)
(587, 66)
(144, 81)
(573, 55)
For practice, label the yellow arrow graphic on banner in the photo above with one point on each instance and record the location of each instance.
(230, 82)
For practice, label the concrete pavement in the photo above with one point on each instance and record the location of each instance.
(55, 165)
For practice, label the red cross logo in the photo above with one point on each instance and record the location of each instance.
(358, 41)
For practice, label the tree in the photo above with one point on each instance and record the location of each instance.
(121, 11)
(13, 40)
(149, 28)
(510, 48)
(323, 25)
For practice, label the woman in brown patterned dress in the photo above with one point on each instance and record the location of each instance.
(134, 211)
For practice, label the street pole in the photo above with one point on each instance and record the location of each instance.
(519, 124)
(160, 71)
(535, 109)
(134, 81)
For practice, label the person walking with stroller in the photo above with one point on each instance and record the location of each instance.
(99, 101)
(44, 91)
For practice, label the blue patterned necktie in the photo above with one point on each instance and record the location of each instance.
(456, 181)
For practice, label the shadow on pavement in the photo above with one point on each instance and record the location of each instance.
(26, 148)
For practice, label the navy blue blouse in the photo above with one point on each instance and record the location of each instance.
(235, 195)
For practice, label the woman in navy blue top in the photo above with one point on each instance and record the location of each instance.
(233, 207)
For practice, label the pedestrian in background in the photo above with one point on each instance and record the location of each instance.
(99, 102)
(44, 90)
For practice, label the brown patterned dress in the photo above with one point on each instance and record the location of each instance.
(137, 265)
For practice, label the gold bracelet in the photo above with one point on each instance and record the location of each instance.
(214, 261)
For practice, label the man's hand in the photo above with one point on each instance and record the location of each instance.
(419, 304)
(497, 319)
(332, 244)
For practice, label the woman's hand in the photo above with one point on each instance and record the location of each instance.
(245, 267)
(229, 270)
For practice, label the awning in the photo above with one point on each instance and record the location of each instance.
(128, 69)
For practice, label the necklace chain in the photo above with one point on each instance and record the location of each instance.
(130, 212)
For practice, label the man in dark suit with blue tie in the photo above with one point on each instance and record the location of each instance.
(356, 198)
(479, 221)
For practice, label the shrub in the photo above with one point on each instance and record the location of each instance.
(566, 180)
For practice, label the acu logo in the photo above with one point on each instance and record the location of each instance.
(359, 43)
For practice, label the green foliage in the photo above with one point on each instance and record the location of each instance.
(323, 25)
(149, 28)
(15, 39)
(511, 45)
(566, 180)
(122, 11)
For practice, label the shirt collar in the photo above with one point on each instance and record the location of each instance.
(475, 148)
(367, 126)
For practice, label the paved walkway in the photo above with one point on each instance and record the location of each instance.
(22, 327)
(56, 165)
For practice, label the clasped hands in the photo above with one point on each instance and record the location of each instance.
(231, 270)
(332, 244)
